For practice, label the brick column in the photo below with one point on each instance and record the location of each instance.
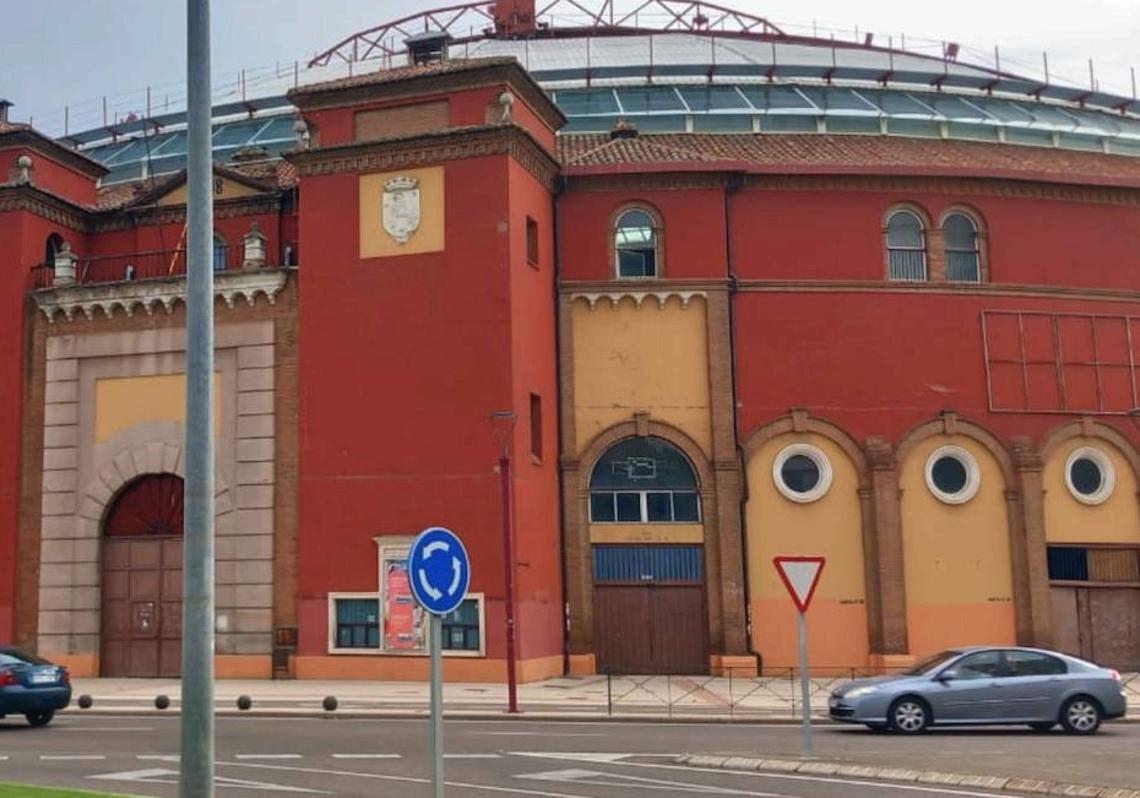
(1032, 602)
(728, 547)
(888, 545)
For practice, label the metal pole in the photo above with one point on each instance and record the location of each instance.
(509, 578)
(805, 684)
(197, 761)
(436, 630)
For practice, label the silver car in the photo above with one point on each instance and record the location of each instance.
(976, 685)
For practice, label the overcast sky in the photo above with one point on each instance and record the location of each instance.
(74, 52)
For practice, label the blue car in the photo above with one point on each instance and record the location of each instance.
(984, 686)
(32, 686)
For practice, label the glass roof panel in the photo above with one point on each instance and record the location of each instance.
(713, 98)
(639, 101)
(837, 99)
(279, 128)
(1049, 116)
(237, 132)
(172, 145)
(1004, 110)
(956, 108)
(777, 98)
(134, 151)
(897, 103)
(587, 102)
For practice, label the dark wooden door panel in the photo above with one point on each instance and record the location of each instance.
(679, 630)
(1066, 622)
(142, 607)
(1114, 615)
(622, 629)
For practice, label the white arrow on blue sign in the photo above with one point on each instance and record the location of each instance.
(439, 569)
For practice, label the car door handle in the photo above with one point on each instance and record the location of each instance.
(996, 684)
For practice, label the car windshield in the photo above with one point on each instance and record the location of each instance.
(931, 662)
(14, 656)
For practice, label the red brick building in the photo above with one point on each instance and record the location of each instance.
(745, 293)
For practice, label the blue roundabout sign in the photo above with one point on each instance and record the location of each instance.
(439, 570)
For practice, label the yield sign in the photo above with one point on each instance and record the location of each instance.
(800, 576)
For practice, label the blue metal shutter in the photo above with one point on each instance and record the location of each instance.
(648, 563)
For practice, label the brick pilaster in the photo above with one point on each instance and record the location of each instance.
(1032, 602)
(886, 529)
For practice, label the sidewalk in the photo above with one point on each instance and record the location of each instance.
(767, 698)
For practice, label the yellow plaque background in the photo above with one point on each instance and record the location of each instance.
(374, 242)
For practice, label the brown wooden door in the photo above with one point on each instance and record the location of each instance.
(651, 629)
(1101, 624)
(142, 607)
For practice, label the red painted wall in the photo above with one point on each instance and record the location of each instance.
(403, 359)
(50, 175)
(693, 231)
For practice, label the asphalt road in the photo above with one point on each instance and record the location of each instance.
(353, 758)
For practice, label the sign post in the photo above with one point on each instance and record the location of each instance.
(801, 577)
(440, 574)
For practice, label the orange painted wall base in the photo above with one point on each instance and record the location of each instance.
(583, 665)
(226, 666)
(742, 665)
(415, 669)
(889, 663)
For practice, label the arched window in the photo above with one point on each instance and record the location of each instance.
(644, 481)
(635, 240)
(150, 506)
(220, 251)
(963, 261)
(53, 245)
(906, 246)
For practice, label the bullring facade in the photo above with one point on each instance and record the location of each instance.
(911, 350)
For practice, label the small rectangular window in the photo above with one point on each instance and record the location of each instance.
(602, 508)
(685, 507)
(536, 425)
(659, 506)
(531, 241)
(629, 507)
(357, 623)
(1068, 563)
(461, 631)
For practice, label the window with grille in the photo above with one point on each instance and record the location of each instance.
(906, 247)
(644, 480)
(1094, 564)
(357, 623)
(963, 258)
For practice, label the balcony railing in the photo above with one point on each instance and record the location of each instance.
(156, 264)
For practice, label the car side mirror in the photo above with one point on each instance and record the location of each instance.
(948, 675)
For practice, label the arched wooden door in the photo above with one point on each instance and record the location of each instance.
(142, 579)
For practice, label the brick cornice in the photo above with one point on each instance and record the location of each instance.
(34, 200)
(428, 148)
(960, 289)
(646, 181)
(949, 184)
(640, 286)
(176, 214)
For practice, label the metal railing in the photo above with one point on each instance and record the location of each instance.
(151, 265)
(907, 265)
(962, 267)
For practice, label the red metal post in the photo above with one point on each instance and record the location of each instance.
(509, 578)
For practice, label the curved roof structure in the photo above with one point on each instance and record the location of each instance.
(731, 72)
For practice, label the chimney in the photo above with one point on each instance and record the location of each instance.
(429, 47)
(4, 106)
(514, 18)
(623, 130)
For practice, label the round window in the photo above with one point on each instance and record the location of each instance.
(802, 472)
(1089, 475)
(952, 474)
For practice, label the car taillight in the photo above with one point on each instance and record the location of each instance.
(7, 678)
(1115, 675)
(64, 676)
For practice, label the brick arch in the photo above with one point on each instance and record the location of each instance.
(800, 422)
(1088, 428)
(602, 442)
(951, 424)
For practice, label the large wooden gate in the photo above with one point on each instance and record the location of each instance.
(650, 611)
(1101, 624)
(142, 580)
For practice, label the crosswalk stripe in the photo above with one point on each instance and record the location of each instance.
(472, 756)
(70, 757)
(267, 756)
(367, 756)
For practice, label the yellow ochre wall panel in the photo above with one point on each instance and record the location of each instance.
(632, 359)
(1067, 520)
(959, 587)
(647, 533)
(223, 189)
(830, 526)
(428, 237)
(122, 402)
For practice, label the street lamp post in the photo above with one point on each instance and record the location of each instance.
(504, 422)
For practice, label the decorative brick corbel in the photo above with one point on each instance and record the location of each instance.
(880, 454)
(641, 422)
(949, 422)
(799, 419)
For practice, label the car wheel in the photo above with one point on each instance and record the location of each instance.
(909, 715)
(1081, 715)
(1041, 727)
(38, 719)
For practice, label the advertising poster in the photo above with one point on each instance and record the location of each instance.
(403, 619)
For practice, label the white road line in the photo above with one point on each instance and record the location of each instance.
(105, 728)
(71, 757)
(532, 734)
(268, 756)
(3, 759)
(368, 756)
(472, 756)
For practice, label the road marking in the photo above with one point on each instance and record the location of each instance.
(105, 728)
(71, 757)
(268, 756)
(161, 776)
(472, 756)
(368, 756)
(159, 757)
(579, 757)
(411, 780)
(599, 779)
(533, 734)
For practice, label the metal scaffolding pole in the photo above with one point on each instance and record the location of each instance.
(197, 762)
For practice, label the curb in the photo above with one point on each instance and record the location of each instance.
(896, 774)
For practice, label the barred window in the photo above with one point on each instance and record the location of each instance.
(357, 623)
(644, 480)
(906, 247)
(963, 258)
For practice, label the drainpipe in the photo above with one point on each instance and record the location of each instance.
(559, 187)
(734, 183)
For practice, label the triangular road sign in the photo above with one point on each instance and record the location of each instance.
(800, 576)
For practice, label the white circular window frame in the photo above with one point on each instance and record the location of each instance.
(1107, 475)
(973, 474)
(816, 455)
